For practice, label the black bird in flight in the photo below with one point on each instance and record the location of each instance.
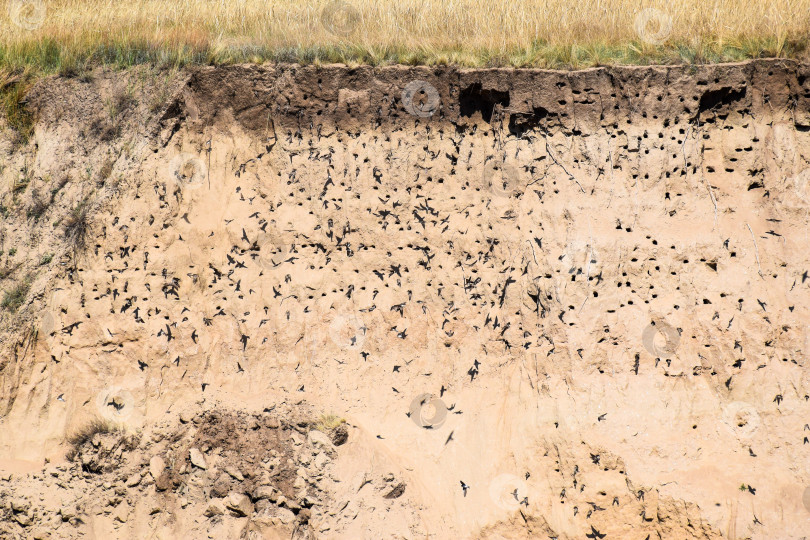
(594, 534)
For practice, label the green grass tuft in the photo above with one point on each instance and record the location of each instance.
(14, 298)
(12, 101)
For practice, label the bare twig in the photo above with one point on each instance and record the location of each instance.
(714, 201)
(756, 249)
(208, 170)
(533, 253)
(548, 151)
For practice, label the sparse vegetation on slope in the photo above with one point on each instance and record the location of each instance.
(15, 296)
(76, 225)
(100, 456)
(328, 422)
(87, 432)
(13, 87)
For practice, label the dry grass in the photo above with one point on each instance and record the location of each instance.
(327, 422)
(73, 35)
(37, 206)
(76, 225)
(86, 433)
(334, 426)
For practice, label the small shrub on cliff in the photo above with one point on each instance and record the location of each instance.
(12, 99)
(63, 180)
(334, 426)
(86, 433)
(105, 171)
(76, 225)
(14, 298)
(328, 422)
(37, 207)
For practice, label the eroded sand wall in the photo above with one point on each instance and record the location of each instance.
(601, 274)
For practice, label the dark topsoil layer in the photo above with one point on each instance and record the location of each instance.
(362, 98)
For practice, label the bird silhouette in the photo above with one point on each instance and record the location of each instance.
(594, 534)
(114, 404)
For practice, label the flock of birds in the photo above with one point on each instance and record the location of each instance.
(333, 229)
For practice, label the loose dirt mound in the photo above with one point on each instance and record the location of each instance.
(230, 475)
(546, 303)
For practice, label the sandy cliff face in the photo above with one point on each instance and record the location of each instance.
(583, 296)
